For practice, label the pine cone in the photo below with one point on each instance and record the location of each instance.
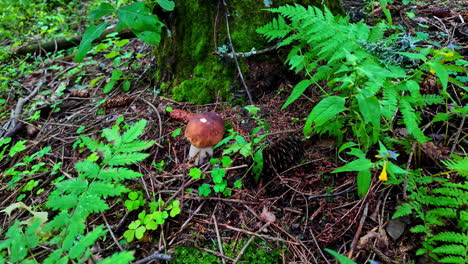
(430, 85)
(282, 155)
(80, 93)
(180, 115)
(434, 151)
(118, 101)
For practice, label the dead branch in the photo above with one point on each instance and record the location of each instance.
(57, 44)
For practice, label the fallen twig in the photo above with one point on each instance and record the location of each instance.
(155, 255)
(359, 230)
(220, 245)
(241, 253)
(9, 127)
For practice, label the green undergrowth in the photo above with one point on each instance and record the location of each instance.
(40, 19)
(371, 80)
(440, 202)
(61, 224)
(258, 252)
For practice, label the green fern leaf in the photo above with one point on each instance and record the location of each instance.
(90, 204)
(453, 259)
(87, 169)
(432, 99)
(74, 229)
(59, 221)
(116, 174)
(411, 121)
(455, 192)
(112, 135)
(134, 131)
(73, 186)
(389, 102)
(442, 212)
(460, 166)
(402, 210)
(442, 201)
(56, 258)
(419, 229)
(377, 32)
(86, 241)
(451, 249)
(124, 257)
(102, 189)
(63, 202)
(275, 29)
(135, 146)
(91, 144)
(126, 159)
(451, 237)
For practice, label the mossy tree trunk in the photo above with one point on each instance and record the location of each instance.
(186, 66)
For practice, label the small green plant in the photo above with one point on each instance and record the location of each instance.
(253, 148)
(217, 176)
(135, 200)
(158, 213)
(99, 177)
(440, 203)
(364, 166)
(29, 166)
(137, 16)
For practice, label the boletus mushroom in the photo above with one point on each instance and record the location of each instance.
(204, 131)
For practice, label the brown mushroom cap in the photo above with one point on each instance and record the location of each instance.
(205, 130)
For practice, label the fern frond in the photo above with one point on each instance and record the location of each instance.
(460, 166)
(86, 241)
(442, 201)
(126, 159)
(87, 169)
(447, 191)
(104, 190)
(442, 212)
(117, 174)
(88, 204)
(72, 186)
(112, 135)
(63, 202)
(411, 120)
(277, 28)
(453, 259)
(134, 131)
(402, 210)
(377, 32)
(135, 146)
(431, 99)
(451, 237)
(452, 249)
(389, 102)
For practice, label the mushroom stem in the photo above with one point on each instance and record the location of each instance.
(199, 154)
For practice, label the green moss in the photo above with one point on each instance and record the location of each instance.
(185, 57)
(209, 79)
(259, 252)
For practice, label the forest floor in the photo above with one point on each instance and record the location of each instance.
(299, 210)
